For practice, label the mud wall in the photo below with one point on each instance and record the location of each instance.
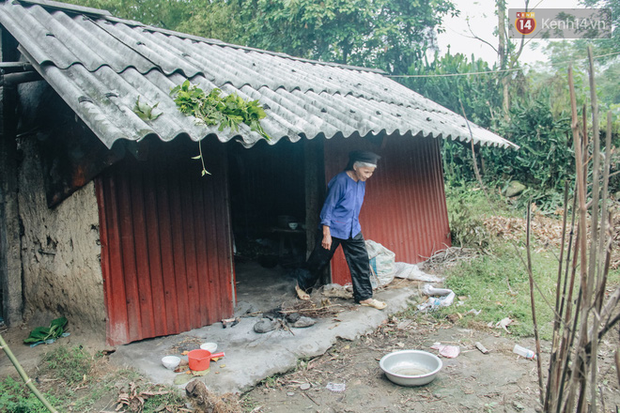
(60, 251)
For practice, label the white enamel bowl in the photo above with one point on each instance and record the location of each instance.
(411, 367)
(210, 347)
(170, 362)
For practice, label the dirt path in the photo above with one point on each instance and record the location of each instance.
(498, 381)
(472, 382)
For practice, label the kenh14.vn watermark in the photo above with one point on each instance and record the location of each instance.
(560, 23)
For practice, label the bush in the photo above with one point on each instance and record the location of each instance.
(468, 206)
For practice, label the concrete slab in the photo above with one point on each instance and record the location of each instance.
(252, 357)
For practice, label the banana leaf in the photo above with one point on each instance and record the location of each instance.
(55, 330)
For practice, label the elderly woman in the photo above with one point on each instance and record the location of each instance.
(340, 225)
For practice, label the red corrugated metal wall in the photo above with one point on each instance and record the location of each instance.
(166, 252)
(405, 208)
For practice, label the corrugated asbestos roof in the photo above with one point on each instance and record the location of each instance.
(100, 65)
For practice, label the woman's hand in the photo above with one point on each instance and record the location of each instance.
(327, 238)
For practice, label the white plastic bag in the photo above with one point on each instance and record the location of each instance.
(438, 297)
(382, 262)
(413, 272)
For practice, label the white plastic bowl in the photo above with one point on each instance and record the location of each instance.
(171, 362)
(210, 347)
(411, 367)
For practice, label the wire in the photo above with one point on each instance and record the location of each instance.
(459, 74)
(493, 71)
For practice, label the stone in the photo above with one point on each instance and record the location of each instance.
(265, 325)
(303, 322)
(514, 188)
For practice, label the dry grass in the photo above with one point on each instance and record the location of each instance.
(546, 232)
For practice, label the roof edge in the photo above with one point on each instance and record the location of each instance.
(216, 42)
(68, 7)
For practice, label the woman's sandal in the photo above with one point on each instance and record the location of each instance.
(379, 305)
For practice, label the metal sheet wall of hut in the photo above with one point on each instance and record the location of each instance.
(405, 207)
(166, 242)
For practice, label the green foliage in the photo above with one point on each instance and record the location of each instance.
(15, 397)
(465, 217)
(72, 365)
(546, 158)
(609, 46)
(542, 130)
(145, 111)
(167, 14)
(554, 77)
(55, 330)
(214, 109)
(389, 34)
(479, 94)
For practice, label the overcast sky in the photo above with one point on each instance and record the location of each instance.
(483, 21)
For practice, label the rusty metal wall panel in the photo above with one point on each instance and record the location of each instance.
(405, 208)
(166, 245)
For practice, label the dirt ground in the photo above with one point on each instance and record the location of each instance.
(499, 381)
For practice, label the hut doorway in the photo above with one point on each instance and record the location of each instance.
(270, 204)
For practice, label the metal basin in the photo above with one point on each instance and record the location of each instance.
(410, 367)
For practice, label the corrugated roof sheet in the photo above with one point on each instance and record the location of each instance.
(100, 65)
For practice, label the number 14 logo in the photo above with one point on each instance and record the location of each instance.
(525, 23)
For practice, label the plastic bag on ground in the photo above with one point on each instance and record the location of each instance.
(382, 262)
(446, 350)
(413, 272)
(438, 297)
(430, 290)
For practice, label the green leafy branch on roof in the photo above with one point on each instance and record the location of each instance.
(146, 111)
(213, 109)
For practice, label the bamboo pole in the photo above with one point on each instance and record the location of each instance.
(594, 223)
(24, 376)
(578, 370)
(605, 216)
(533, 303)
(555, 358)
(594, 313)
(571, 265)
(617, 359)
